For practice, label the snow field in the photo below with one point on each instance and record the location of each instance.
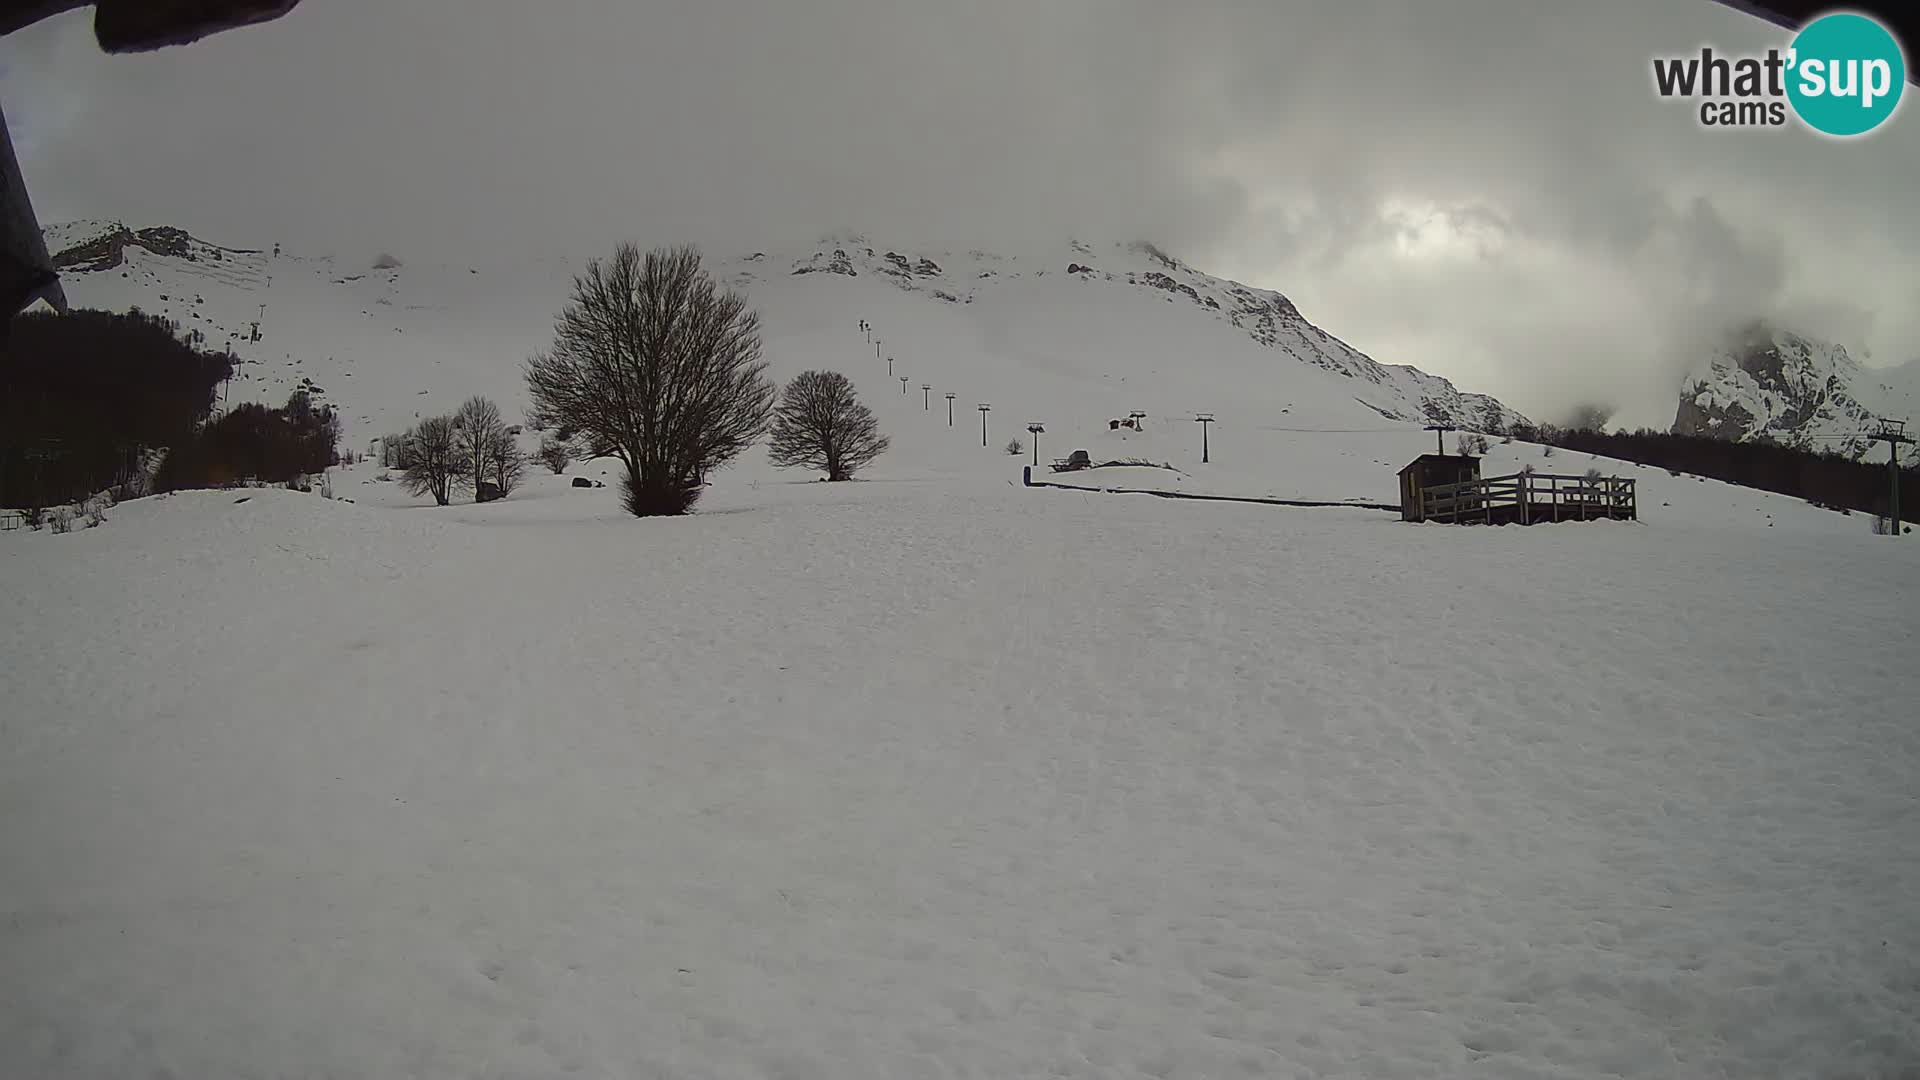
(905, 779)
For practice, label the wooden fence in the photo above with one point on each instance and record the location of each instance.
(1530, 499)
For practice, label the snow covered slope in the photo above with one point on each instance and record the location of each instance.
(1797, 391)
(943, 778)
(1069, 339)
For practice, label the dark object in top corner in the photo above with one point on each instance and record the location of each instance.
(123, 26)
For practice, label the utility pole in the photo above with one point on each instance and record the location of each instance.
(1036, 429)
(1440, 435)
(1893, 433)
(876, 348)
(889, 365)
(926, 396)
(1203, 420)
(950, 398)
(903, 386)
(984, 408)
(1136, 416)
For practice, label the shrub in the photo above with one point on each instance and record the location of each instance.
(60, 518)
(1015, 447)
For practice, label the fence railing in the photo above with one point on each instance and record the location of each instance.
(1527, 498)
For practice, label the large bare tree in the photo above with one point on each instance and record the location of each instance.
(433, 461)
(821, 424)
(655, 365)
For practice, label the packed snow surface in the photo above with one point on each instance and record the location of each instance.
(951, 778)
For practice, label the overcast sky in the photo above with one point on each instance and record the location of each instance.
(1487, 189)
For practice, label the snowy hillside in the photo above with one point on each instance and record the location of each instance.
(1797, 391)
(1070, 340)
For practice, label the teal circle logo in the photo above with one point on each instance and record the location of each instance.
(1846, 74)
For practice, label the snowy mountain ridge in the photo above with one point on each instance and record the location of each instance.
(1775, 384)
(1395, 391)
(322, 319)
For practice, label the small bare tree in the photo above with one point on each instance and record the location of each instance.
(554, 454)
(432, 460)
(1015, 447)
(655, 365)
(478, 429)
(821, 424)
(506, 462)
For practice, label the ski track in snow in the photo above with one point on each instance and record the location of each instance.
(897, 780)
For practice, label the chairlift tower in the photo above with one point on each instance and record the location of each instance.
(1893, 433)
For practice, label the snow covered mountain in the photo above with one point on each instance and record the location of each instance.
(1120, 328)
(1776, 384)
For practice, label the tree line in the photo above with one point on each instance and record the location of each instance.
(88, 395)
(1824, 478)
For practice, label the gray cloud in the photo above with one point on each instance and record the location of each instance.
(1484, 188)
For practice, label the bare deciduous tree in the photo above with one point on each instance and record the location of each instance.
(507, 463)
(655, 365)
(820, 424)
(477, 429)
(554, 454)
(433, 462)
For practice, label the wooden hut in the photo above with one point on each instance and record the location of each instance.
(1433, 470)
(1449, 488)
